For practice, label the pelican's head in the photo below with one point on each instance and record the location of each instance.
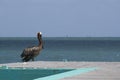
(39, 34)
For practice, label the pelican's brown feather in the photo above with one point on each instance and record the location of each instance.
(31, 52)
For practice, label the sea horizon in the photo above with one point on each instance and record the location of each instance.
(105, 49)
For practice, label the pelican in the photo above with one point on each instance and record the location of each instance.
(32, 52)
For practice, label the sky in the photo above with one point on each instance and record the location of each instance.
(60, 18)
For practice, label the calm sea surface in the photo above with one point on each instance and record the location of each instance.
(62, 49)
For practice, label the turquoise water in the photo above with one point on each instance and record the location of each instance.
(28, 74)
(7, 73)
(62, 49)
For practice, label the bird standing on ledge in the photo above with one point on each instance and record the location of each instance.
(32, 52)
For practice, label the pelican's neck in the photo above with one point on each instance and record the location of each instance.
(40, 41)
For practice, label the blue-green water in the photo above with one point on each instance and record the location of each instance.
(28, 74)
(62, 49)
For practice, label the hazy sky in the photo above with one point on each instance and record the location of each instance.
(57, 18)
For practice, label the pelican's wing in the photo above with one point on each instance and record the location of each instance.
(27, 52)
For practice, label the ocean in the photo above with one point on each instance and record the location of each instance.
(104, 49)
